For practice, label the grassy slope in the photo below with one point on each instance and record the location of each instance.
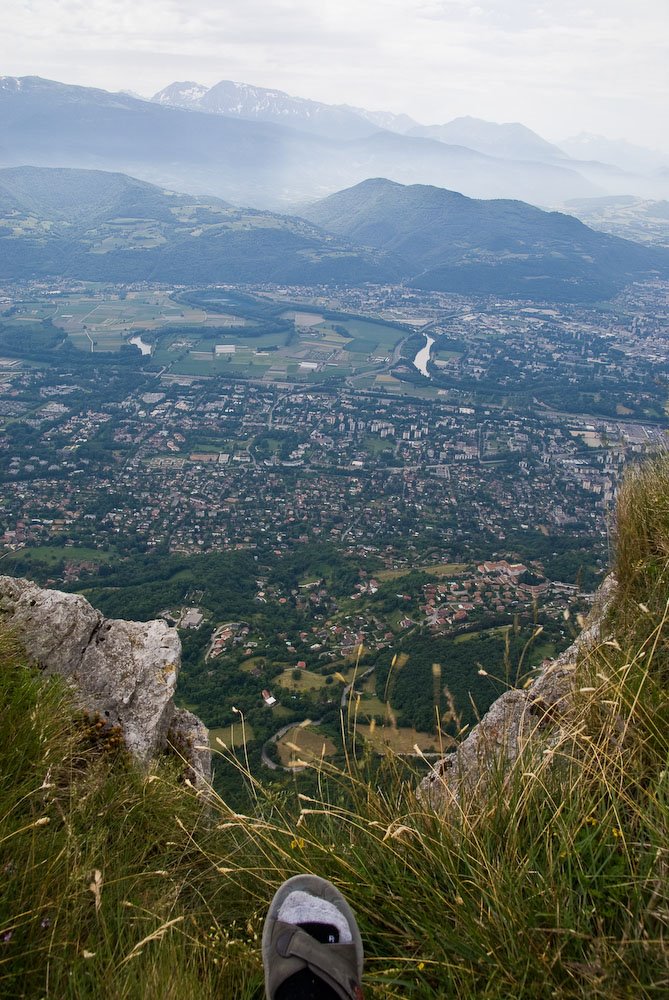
(554, 885)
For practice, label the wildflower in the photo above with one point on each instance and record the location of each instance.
(421, 966)
(591, 821)
(297, 843)
(6, 937)
(617, 832)
(45, 923)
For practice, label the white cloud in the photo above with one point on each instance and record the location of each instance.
(559, 65)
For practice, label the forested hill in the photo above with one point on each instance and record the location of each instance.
(100, 226)
(453, 243)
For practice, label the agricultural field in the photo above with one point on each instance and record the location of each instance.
(97, 320)
(304, 347)
(390, 739)
(218, 333)
(232, 736)
(304, 743)
(440, 570)
(304, 680)
(52, 556)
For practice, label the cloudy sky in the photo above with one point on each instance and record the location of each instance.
(559, 66)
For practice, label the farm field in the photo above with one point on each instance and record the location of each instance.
(392, 740)
(316, 349)
(232, 736)
(438, 570)
(311, 745)
(105, 320)
(307, 681)
(53, 554)
(218, 334)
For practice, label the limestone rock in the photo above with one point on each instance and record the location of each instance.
(125, 671)
(514, 719)
(190, 737)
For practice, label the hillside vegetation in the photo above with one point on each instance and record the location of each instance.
(97, 226)
(502, 247)
(554, 883)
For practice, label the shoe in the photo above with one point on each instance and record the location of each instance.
(311, 934)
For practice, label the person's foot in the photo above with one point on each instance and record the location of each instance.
(311, 945)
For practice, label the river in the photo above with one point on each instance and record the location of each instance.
(138, 342)
(423, 356)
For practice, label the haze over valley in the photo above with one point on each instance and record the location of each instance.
(268, 150)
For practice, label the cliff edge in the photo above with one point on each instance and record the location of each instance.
(125, 672)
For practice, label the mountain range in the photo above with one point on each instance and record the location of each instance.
(614, 167)
(250, 161)
(95, 225)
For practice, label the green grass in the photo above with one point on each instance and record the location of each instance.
(375, 445)
(439, 569)
(52, 554)
(307, 681)
(233, 736)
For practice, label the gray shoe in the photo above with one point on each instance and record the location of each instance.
(288, 948)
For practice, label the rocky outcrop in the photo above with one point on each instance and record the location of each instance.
(126, 672)
(517, 718)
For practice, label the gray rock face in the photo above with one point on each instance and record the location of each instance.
(190, 737)
(125, 671)
(515, 719)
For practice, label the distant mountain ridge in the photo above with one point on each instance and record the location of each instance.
(98, 226)
(624, 155)
(510, 140)
(241, 100)
(246, 162)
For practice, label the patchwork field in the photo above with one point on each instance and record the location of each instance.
(220, 334)
(104, 321)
